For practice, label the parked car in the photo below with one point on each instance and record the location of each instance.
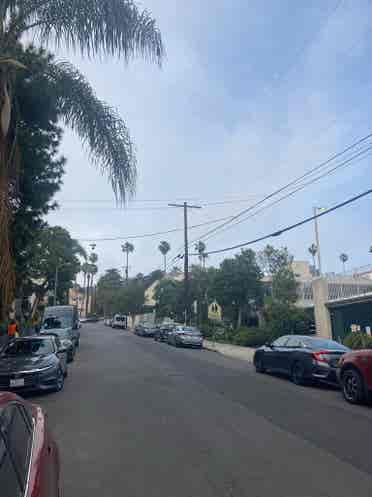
(29, 457)
(162, 332)
(33, 363)
(68, 316)
(355, 375)
(185, 336)
(107, 322)
(302, 358)
(120, 321)
(64, 335)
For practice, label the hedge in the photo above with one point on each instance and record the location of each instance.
(251, 337)
(358, 340)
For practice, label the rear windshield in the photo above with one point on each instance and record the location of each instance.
(189, 331)
(322, 343)
(62, 314)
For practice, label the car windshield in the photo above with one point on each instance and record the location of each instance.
(29, 348)
(62, 333)
(189, 331)
(321, 343)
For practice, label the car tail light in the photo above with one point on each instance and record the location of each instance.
(321, 356)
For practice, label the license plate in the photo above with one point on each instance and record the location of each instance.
(19, 382)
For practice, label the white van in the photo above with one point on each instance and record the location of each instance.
(120, 321)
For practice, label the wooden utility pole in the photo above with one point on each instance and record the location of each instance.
(186, 206)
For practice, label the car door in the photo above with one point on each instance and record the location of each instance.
(16, 440)
(289, 351)
(273, 359)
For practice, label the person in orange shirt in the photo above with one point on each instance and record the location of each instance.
(12, 329)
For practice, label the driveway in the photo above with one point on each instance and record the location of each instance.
(142, 419)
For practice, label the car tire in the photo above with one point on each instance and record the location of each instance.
(258, 364)
(298, 373)
(65, 374)
(60, 382)
(353, 386)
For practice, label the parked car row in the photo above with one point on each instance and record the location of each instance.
(29, 458)
(179, 336)
(307, 359)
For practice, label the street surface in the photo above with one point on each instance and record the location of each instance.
(142, 419)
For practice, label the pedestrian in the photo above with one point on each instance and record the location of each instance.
(13, 329)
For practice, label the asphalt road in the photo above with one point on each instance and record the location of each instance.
(142, 419)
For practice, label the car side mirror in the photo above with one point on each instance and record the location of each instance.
(62, 350)
(269, 344)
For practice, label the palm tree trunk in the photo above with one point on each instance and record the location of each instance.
(87, 296)
(165, 263)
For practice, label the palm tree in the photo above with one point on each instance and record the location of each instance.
(95, 28)
(164, 248)
(313, 249)
(344, 258)
(127, 248)
(200, 247)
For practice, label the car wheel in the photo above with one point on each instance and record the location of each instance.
(353, 386)
(60, 381)
(259, 365)
(298, 373)
(65, 374)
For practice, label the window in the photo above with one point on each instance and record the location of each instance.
(9, 483)
(18, 436)
(294, 342)
(323, 343)
(37, 346)
(280, 342)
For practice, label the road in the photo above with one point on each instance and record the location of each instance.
(142, 419)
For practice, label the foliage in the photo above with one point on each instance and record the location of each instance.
(358, 340)
(107, 288)
(237, 286)
(169, 296)
(53, 248)
(164, 248)
(284, 285)
(271, 260)
(130, 299)
(201, 289)
(95, 27)
(152, 277)
(283, 319)
(252, 337)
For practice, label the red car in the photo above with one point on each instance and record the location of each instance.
(29, 461)
(355, 375)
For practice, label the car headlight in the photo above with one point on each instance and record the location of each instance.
(47, 369)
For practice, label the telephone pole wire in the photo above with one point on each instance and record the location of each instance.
(186, 206)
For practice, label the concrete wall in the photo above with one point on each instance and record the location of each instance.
(322, 316)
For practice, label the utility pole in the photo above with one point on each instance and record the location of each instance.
(317, 242)
(186, 206)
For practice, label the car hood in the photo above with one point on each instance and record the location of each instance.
(25, 363)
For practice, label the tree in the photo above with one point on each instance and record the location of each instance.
(202, 283)
(237, 286)
(313, 250)
(131, 298)
(55, 254)
(169, 296)
(344, 258)
(108, 287)
(200, 247)
(277, 263)
(95, 27)
(164, 248)
(127, 248)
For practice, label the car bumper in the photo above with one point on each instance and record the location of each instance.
(32, 382)
(190, 343)
(324, 372)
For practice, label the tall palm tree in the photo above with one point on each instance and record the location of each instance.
(344, 258)
(164, 248)
(94, 28)
(313, 250)
(127, 248)
(200, 247)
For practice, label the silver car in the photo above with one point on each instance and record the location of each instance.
(186, 336)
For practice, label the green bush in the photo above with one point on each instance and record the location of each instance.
(251, 337)
(358, 340)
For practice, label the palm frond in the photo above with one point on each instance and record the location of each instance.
(106, 27)
(98, 125)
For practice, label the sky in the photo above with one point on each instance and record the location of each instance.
(251, 95)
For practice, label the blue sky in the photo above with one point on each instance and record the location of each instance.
(251, 95)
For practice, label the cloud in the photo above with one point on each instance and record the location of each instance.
(249, 97)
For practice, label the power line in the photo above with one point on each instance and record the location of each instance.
(288, 185)
(292, 226)
(150, 235)
(360, 156)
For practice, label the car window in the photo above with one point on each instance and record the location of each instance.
(41, 346)
(323, 343)
(9, 483)
(280, 342)
(294, 342)
(18, 439)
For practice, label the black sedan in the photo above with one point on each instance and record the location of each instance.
(162, 332)
(33, 363)
(186, 336)
(303, 358)
(65, 336)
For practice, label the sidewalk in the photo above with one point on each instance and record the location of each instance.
(234, 351)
